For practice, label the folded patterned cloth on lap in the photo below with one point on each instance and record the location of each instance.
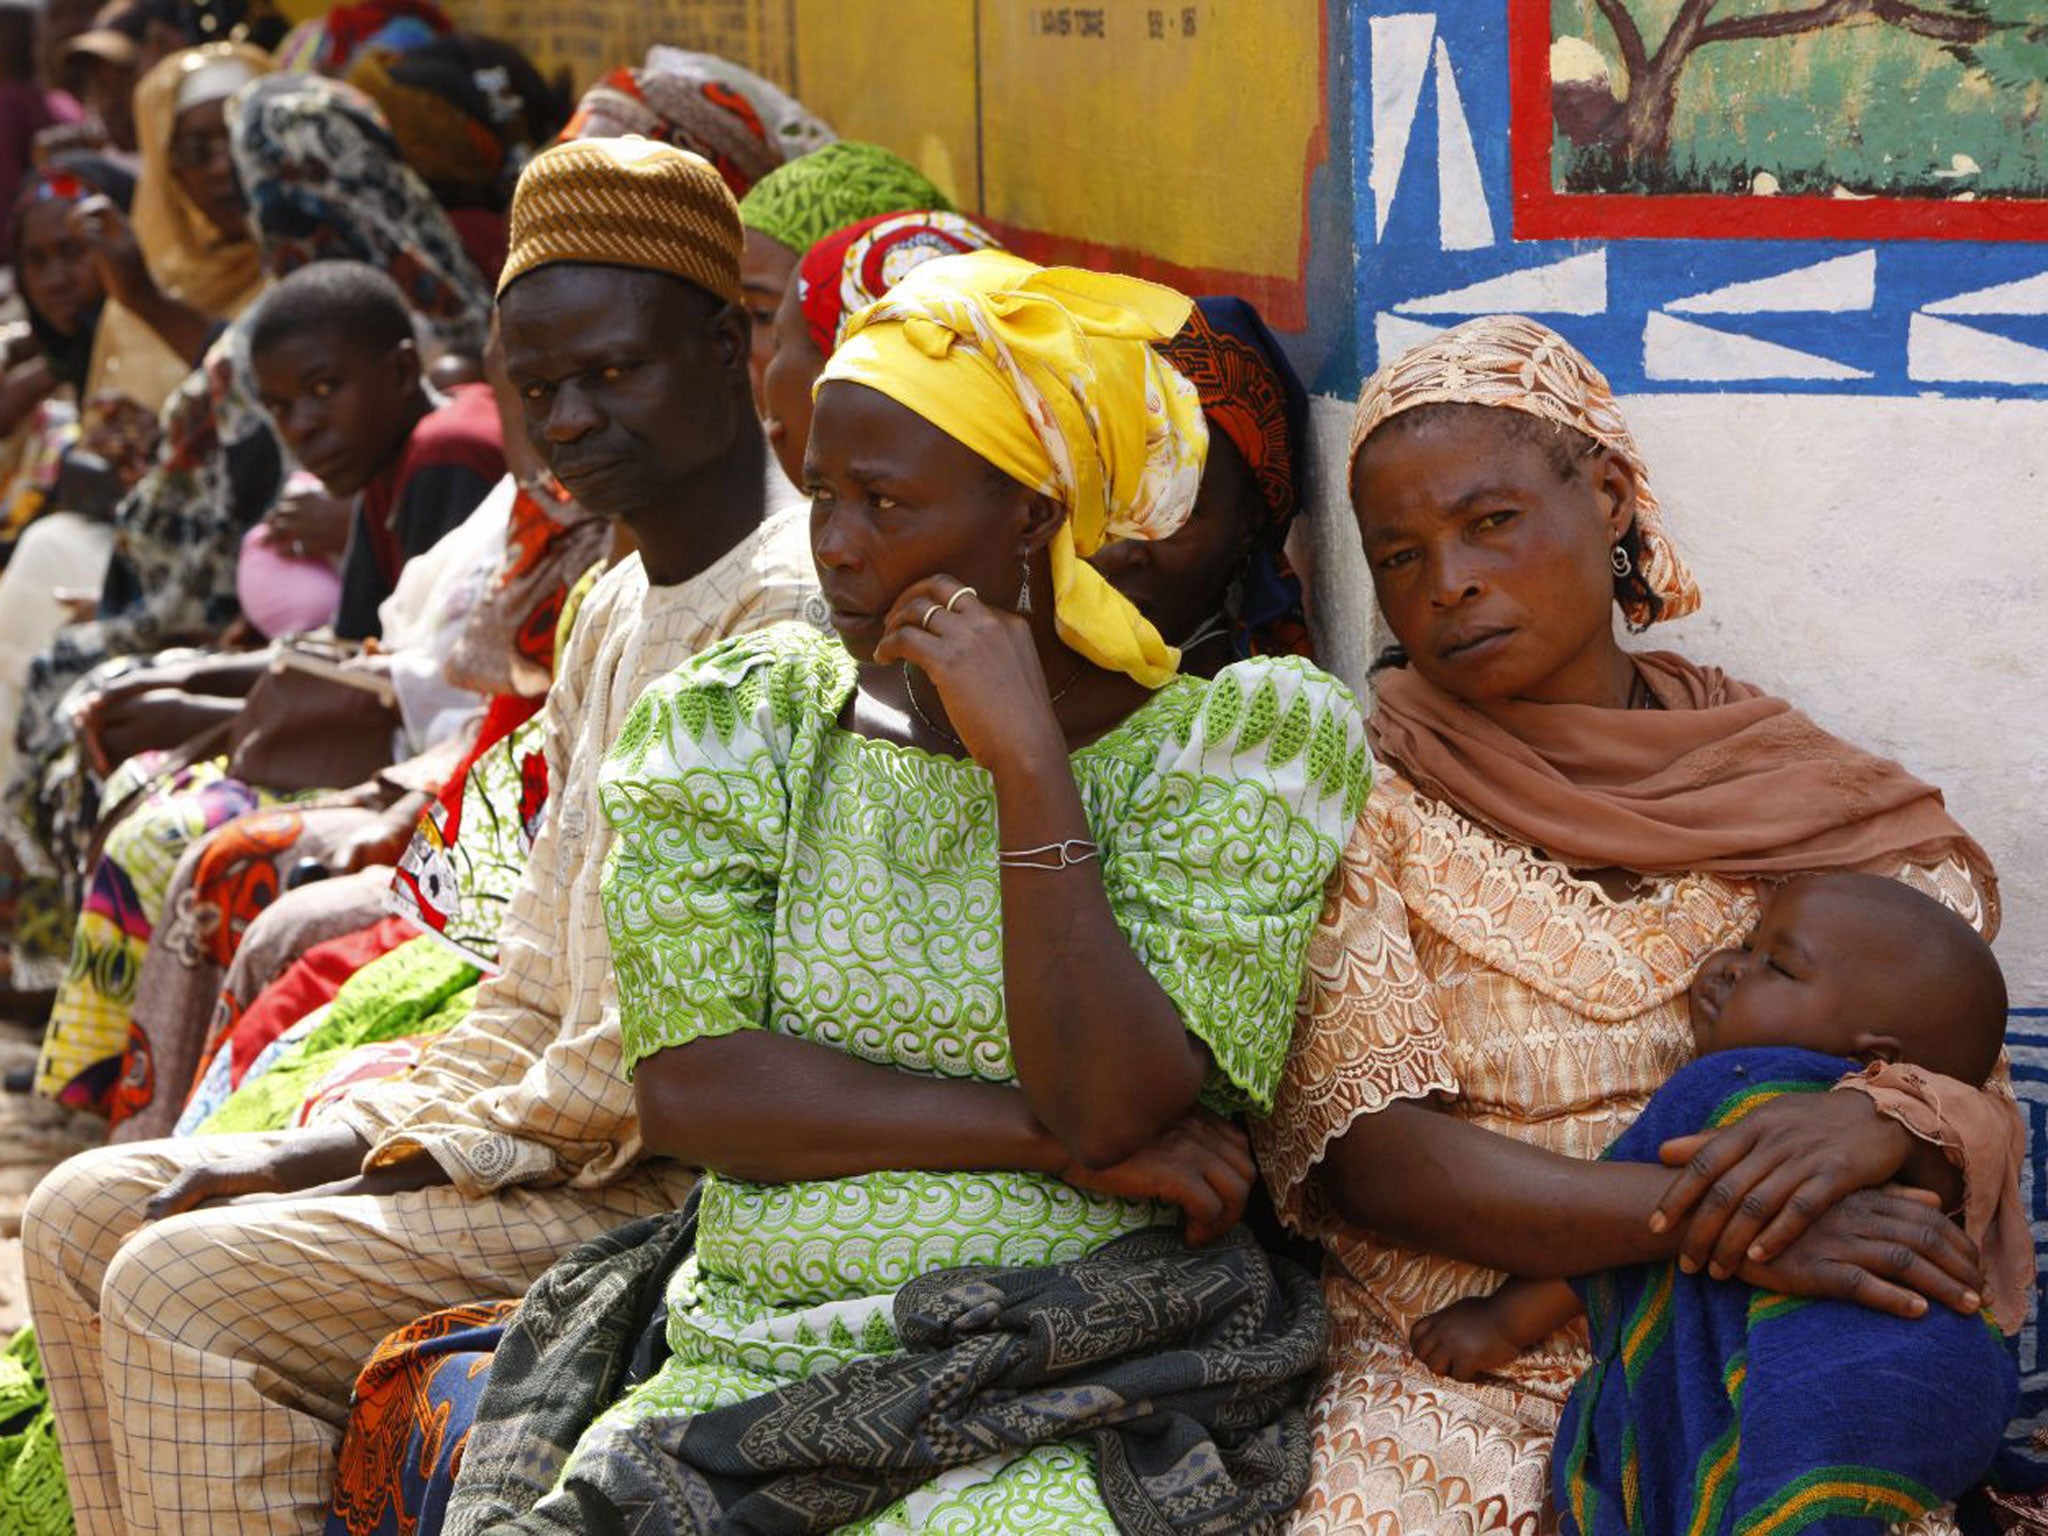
(1184, 1371)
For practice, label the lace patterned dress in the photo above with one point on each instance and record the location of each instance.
(1453, 962)
(776, 871)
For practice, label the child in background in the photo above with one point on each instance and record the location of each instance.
(337, 369)
(1712, 1405)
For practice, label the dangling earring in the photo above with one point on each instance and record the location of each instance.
(1024, 587)
(1624, 567)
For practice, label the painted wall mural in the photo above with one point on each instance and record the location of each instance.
(1461, 208)
(1938, 102)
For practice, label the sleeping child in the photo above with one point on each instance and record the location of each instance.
(1713, 1406)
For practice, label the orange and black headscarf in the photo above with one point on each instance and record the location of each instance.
(1251, 395)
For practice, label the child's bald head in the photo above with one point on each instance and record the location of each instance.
(1857, 965)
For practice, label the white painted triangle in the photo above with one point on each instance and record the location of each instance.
(1400, 62)
(1575, 286)
(1392, 336)
(1942, 352)
(1463, 220)
(2028, 296)
(1679, 349)
(1836, 286)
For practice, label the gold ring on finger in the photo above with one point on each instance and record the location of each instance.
(925, 621)
(963, 592)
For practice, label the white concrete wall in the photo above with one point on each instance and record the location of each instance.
(1882, 563)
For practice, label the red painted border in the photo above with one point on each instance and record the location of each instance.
(1542, 213)
(1281, 301)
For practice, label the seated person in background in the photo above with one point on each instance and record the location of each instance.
(99, 67)
(64, 461)
(185, 258)
(338, 371)
(467, 113)
(1709, 1393)
(516, 1136)
(798, 204)
(839, 277)
(1222, 588)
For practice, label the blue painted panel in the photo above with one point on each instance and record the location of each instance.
(1407, 264)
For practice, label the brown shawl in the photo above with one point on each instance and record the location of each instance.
(1723, 779)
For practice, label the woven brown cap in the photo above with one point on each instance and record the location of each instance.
(626, 203)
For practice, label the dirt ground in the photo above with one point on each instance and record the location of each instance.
(35, 1136)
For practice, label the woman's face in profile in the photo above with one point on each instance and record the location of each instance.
(1180, 582)
(1489, 552)
(895, 500)
(793, 368)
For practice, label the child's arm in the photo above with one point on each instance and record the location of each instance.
(1483, 1333)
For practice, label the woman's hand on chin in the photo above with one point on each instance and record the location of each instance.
(1890, 1250)
(983, 662)
(1203, 1164)
(1745, 1193)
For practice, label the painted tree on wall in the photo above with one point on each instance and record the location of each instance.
(2007, 39)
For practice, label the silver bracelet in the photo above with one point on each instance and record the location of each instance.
(1075, 850)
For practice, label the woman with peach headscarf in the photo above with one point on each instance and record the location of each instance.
(1562, 831)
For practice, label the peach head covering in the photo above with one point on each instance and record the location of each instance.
(1521, 365)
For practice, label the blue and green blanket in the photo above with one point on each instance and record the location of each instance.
(1715, 1409)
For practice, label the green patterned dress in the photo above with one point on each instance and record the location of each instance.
(776, 871)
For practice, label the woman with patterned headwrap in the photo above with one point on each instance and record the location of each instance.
(744, 125)
(1222, 586)
(467, 112)
(885, 908)
(792, 209)
(1563, 830)
(324, 181)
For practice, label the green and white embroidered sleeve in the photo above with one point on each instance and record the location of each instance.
(1216, 872)
(694, 788)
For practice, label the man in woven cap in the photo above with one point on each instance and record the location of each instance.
(201, 1353)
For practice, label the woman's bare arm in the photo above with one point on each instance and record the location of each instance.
(770, 1109)
(1424, 1178)
(1101, 1052)
(773, 1109)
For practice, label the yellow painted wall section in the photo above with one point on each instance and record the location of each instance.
(1174, 139)
(900, 73)
(1180, 130)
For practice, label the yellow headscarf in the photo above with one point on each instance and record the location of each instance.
(188, 258)
(1049, 374)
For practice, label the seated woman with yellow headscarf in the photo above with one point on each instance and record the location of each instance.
(950, 942)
